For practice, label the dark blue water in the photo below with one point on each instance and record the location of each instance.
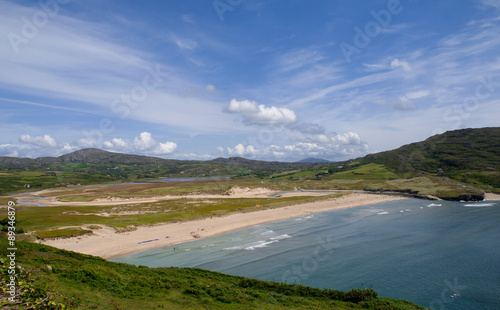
(412, 249)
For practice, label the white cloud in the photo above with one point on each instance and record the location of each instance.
(260, 114)
(9, 150)
(144, 144)
(332, 147)
(241, 150)
(144, 141)
(36, 147)
(68, 148)
(42, 141)
(243, 106)
(116, 144)
(210, 88)
(165, 148)
(374, 67)
(345, 138)
(491, 3)
(86, 143)
(396, 63)
(188, 18)
(184, 43)
(404, 103)
(417, 94)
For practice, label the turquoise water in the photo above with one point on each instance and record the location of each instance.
(412, 249)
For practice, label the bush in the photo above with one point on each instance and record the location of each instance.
(358, 295)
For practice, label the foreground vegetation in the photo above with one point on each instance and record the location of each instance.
(50, 278)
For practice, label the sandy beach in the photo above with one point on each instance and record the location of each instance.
(491, 196)
(107, 243)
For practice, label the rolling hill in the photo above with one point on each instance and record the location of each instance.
(471, 156)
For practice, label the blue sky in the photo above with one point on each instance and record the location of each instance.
(271, 80)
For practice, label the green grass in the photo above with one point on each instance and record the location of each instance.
(5, 200)
(63, 233)
(84, 282)
(15, 181)
(435, 186)
(365, 172)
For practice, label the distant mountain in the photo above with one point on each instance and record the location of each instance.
(89, 155)
(98, 156)
(257, 164)
(313, 160)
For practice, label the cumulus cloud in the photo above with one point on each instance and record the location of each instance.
(333, 147)
(42, 141)
(396, 63)
(116, 144)
(243, 106)
(165, 148)
(241, 150)
(9, 150)
(343, 139)
(260, 114)
(144, 143)
(34, 147)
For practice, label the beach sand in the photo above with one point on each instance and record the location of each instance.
(491, 196)
(107, 243)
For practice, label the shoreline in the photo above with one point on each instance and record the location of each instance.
(107, 244)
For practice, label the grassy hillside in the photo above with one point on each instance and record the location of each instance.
(470, 156)
(77, 281)
(456, 165)
(451, 152)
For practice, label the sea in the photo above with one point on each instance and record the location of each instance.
(438, 254)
